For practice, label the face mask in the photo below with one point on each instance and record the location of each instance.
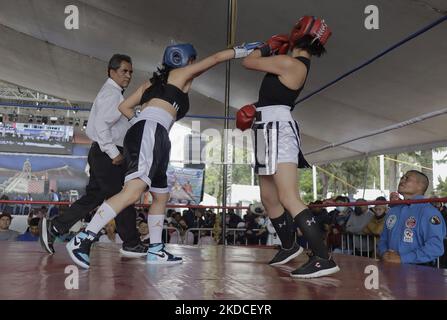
(340, 209)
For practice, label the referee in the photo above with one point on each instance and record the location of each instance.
(106, 127)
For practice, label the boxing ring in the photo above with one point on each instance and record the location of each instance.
(208, 273)
(218, 272)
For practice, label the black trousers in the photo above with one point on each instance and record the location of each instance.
(106, 180)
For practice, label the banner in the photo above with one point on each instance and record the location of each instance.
(37, 173)
(185, 185)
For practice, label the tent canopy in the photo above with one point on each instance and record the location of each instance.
(39, 53)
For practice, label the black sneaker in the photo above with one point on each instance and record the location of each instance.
(140, 250)
(315, 267)
(47, 234)
(285, 255)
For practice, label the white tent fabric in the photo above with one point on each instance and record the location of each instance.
(39, 53)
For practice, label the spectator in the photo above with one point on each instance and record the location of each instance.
(3, 205)
(262, 233)
(440, 206)
(249, 215)
(217, 229)
(53, 196)
(375, 225)
(54, 211)
(182, 236)
(144, 232)
(188, 216)
(338, 218)
(173, 235)
(413, 233)
(199, 220)
(32, 234)
(170, 215)
(27, 207)
(110, 236)
(6, 234)
(232, 220)
(272, 238)
(18, 207)
(360, 219)
(177, 217)
(256, 231)
(240, 234)
(355, 225)
(210, 219)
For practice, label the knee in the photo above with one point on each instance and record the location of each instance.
(131, 196)
(160, 198)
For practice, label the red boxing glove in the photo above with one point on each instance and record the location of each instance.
(245, 117)
(279, 44)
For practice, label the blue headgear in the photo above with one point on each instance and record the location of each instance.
(178, 55)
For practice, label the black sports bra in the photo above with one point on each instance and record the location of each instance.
(273, 92)
(170, 94)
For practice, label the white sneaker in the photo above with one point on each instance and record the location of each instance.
(158, 255)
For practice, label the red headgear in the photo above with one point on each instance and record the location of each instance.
(312, 26)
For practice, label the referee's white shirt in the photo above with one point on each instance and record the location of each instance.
(106, 125)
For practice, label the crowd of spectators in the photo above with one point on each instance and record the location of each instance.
(350, 229)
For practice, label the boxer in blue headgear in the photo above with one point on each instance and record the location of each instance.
(163, 100)
(178, 55)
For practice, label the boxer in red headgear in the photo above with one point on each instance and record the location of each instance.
(315, 28)
(277, 143)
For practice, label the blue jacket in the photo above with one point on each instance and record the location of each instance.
(27, 236)
(416, 232)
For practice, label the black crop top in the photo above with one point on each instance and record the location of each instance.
(170, 94)
(273, 92)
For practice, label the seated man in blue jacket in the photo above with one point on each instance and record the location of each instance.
(412, 233)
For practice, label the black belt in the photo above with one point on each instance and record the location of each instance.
(96, 144)
(258, 116)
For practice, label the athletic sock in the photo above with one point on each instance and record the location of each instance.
(284, 229)
(103, 215)
(155, 223)
(305, 220)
